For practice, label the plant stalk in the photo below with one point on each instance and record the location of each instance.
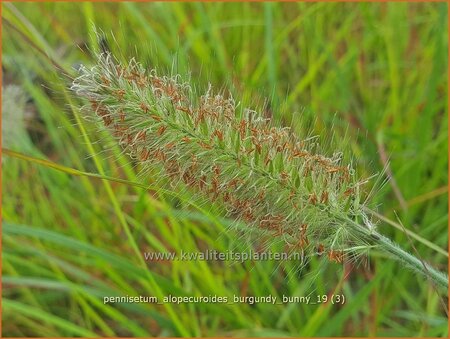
(388, 246)
(409, 260)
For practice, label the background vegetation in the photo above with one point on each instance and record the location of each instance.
(378, 69)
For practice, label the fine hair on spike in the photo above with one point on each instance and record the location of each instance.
(264, 175)
(281, 186)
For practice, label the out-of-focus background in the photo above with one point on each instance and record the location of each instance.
(376, 71)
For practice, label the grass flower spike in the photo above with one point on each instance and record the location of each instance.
(277, 183)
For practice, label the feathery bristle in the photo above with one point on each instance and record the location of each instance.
(263, 175)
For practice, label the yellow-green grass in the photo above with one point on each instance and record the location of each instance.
(374, 71)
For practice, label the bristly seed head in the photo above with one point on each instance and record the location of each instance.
(263, 175)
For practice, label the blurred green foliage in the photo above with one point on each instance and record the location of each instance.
(376, 71)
